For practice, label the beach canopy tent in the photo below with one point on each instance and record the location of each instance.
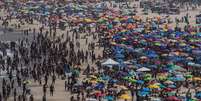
(91, 99)
(143, 69)
(110, 62)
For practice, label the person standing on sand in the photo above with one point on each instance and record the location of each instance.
(72, 98)
(44, 89)
(44, 98)
(66, 85)
(15, 94)
(51, 90)
(19, 98)
(0, 97)
(53, 79)
(31, 98)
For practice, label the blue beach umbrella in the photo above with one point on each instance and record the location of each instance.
(109, 98)
(145, 90)
(140, 82)
(172, 86)
(143, 94)
(198, 95)
(100, 86)
(130, 20)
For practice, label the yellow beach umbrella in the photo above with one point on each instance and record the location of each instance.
(193, 33)
(153, 86)
(93, 81)
(122, 87)
(113, 43)
(93, 77)
(125, 97)
(196, 79)
(88, 20)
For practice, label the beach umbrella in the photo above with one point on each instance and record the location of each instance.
(102, 20)
(132, 80)
(189, 76)
(93, 81)
(140, 81)
(112, 81)
(138, 29)
(109, 98)
(192, 99)
(119, 56)
(198, 34)
(193, 64)
(99, 94)
(157, 44)
(127, 62)
(168, 82)
(162, 86)
(91, 99)
(174, 67)
(153, 86)
(177, 79)
(172, 86)
(122, 87)
(143, 94)
(126, 78)
(170, 93)
(125, 97)
(156, 99)
(152, 55)
(93, 77)
(189, 58)
(143, 57)
(143, 69)
(105, 77)
(130, 20)
(196, 51)
(181, 69)
(131, 72)
(196, 79)
(136, 17)
(147, 79)
(109, 26)
(198, 95)
(172, 98)
(145, 90)
(76, 72)
(110, 62)
(147, 75)
(88, 20)
(168, 89)
(100, 86)
(162, 78)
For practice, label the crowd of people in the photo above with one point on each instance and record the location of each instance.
(100, 51)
